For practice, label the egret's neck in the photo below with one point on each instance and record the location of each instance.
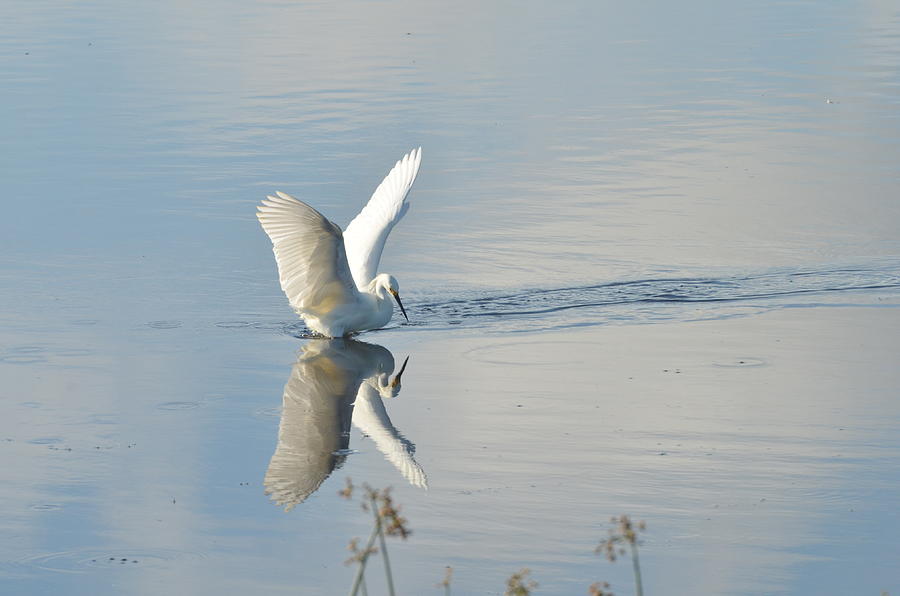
(379, 287)
(374, 289)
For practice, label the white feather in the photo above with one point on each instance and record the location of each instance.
(371, 418)
(330, 278)
(309, 250)
(332, 379)
(315, 422)
(364, 238)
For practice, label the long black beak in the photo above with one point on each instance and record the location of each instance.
(400, 304)
(396, 381)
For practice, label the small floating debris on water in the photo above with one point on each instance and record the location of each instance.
(740, 362)
(178, 405)
(46, 507)
(164, 324)
(267, 412)
(234, 324)
(75, 560)
(120, 561)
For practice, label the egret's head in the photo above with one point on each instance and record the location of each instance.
(393, 284)
(388, 283)
(388, 387)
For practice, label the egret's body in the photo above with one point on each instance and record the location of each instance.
(328, 276)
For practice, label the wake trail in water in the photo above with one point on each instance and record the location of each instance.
(656, 300)
(659, 299)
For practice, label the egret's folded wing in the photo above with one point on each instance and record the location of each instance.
(367, 233)
(370, 417)
(309, 250)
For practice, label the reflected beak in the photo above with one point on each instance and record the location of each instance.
(396, 381)
(400, 304)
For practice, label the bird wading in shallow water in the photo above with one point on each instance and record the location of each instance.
(330, 277)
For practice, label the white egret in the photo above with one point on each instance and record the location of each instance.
(333, 383)
(329, 277)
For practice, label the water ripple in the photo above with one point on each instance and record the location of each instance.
(647, 300)
(81, 560)
(635, 300)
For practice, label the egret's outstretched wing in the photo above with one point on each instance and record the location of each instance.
(371, 418)
(315, 425)
(365, 236)
(309, 250)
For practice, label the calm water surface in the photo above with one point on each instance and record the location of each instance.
(652, 267)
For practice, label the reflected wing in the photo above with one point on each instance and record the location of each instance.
(367, 233)
(370, 417)
(315, 423)
(309, 250)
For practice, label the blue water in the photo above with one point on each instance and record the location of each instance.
(651, 299)
(652, 266)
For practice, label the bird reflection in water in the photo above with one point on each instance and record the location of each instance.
(334, 383)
